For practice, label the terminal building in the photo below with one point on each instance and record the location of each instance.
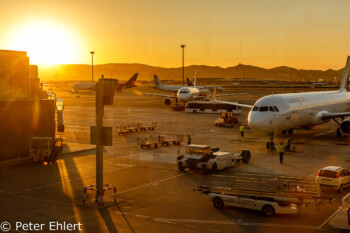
(24, 111)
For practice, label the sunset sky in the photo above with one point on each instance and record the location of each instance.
(307, 34)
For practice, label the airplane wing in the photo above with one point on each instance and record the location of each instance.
(231, 94)
(235, 104)
(328, 115)
(167, 96)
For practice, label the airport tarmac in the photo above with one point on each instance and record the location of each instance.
(153, 196)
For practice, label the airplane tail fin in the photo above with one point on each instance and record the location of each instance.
(214, 93)
(344, 86)
(189, 83)
(158, 82)
(132, 80)
(195, 79)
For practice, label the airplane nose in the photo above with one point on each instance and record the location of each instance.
(256, 121)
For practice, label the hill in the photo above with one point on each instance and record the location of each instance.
(123, 71)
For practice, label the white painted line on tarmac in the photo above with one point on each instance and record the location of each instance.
(330, 218)
(142, 216)
(145, 185)
(74, 137)
(169, 220)
(329, 131)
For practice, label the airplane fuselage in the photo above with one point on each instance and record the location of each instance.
(274, 113)
(173, 88)
(186, 94)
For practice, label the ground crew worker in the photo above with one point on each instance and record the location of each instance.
(241, 129)
(188, 139)
(280, 150)
(287, 144)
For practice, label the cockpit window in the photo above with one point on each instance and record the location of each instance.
(276, 108)
(271, 109)
(184, 91)
(255, 109)
(263, 109)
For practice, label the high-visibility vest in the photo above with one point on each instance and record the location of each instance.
(241, 128)
(280, 148)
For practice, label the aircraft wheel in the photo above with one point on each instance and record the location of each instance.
(268, 145)
(339, 133)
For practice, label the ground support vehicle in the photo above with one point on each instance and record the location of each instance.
(204, 157)
(166, 140)
(132, 128)
(45, 148)
(142, 127)
(227, 120)
(267, 193)
(333, 178)
(178, 107)
(160, 140)
(123, 130)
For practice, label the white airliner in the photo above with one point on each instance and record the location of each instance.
(211, 88)
(284, 112)
(161, 86)
(184, 93)
(83, 87)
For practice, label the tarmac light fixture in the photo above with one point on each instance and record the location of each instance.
(183, 64)
(92, 67)
(99, 135)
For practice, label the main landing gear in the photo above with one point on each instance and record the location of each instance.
(270, 144)
(290, 131)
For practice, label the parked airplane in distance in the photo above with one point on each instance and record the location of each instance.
(119, 87)
(183, 93)
(211, 88)
(319, 84)
(129, 84)
(161, 86)
(284, 112)
(83, 87)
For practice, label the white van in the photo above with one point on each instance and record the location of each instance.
(333, 177)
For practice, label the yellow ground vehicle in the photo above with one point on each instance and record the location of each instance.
(227, 120)
(45, 148)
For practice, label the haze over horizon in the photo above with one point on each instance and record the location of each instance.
(300, 34)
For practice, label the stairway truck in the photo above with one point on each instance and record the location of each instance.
(204, 157)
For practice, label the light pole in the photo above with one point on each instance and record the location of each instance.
(92, 67)
(183, 64)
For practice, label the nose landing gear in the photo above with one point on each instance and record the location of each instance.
(270, 145)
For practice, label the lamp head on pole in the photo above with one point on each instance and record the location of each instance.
(92, 52)
(183, 46)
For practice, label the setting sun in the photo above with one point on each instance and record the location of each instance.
(47, 43)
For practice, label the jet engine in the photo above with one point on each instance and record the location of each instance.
(345, 127)
(317, 119)
(167, 101)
